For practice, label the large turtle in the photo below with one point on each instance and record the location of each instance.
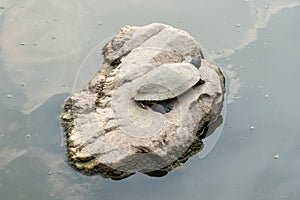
(166, 82)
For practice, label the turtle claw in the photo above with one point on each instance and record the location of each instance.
(141, 104)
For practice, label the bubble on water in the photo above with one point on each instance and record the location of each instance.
(266, 96)
(276, 156)
(23, 43)
(238, 25)
(219, 52)
(252, 128)
(53, 37)
(235, 97)
(99, 23)
(246, 1)
(260, 87)
(9, 96)
(50, 173)
(46, 80)
(23, 84)
(266, 7)
(28, 136)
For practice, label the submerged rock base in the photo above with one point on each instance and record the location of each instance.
(108, 133)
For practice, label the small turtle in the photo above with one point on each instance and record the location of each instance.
(166, 82)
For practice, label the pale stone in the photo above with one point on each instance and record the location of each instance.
(108, 133)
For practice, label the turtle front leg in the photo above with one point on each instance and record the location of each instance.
(160, 108)
(156, 107)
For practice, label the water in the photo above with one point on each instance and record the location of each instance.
(260, 58)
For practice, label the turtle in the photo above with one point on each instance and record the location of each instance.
(167, 81)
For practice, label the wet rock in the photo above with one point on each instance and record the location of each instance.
(109, 133)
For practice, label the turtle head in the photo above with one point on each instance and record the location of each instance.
(196, 61)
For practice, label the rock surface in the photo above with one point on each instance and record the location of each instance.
(108, 133)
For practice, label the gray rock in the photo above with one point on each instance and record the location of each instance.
(108, 133)
(196, 61)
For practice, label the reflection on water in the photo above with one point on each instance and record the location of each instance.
(241, 165)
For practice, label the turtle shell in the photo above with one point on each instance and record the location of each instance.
(167, 81)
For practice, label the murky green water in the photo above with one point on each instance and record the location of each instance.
(256, 43)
